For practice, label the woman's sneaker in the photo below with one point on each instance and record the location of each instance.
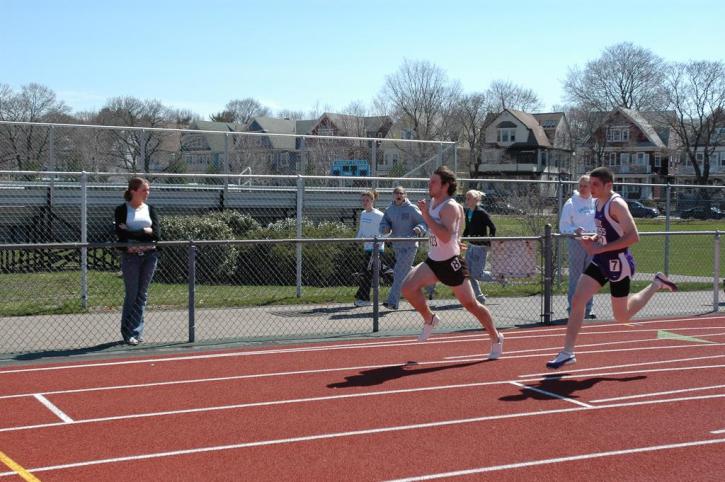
(428, 328)
(496, 349)
(563, 358)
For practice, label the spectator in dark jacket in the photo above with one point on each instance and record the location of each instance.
(478, 224)
(136, 223)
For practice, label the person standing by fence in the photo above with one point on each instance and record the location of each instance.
(402, 219)
(478, 223)
(368, 227)
(577, 217)
(136, 222)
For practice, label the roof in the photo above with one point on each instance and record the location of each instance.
(274, 125)
(533, 125)
(643, 124)
(215, 142)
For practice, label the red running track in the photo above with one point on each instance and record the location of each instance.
(645, 401)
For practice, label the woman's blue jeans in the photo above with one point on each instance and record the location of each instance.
(137, 273)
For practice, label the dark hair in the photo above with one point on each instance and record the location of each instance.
(447, 177)
(133, 185)
(603, 173)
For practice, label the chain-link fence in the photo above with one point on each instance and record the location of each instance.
(68, 297)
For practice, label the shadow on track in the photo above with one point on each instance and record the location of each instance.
(565, 388)
(377, 376)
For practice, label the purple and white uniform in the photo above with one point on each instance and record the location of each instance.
(614, 265)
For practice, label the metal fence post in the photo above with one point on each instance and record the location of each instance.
(558, 240)
(225, 168)
(548, 278)
(192, 291)
(142, 150)
(455, 160)
(668, 192)
(51, 149)
(298, 247)
(84, 239)
(716, 274)
(376, 284)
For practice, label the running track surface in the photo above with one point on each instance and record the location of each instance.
(646, 401)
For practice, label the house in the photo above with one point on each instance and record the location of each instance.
(636, 145)
(204, 152)
(320, 154)
(519, 145)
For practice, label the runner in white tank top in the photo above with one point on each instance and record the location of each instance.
(439, 250)
(444, 264)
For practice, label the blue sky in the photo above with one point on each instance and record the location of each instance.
(298, 54)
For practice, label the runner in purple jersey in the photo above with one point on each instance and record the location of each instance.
(612, 262)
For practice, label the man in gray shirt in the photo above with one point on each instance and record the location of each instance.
(402, 219)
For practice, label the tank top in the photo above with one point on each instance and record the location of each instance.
(618, 264)
(608, 229)
(437, 249)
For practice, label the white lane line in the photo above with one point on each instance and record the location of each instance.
(654, 394)
(53, 408)
(551, 394)
(558, 460)
(609, 367)
(565, 375)
(349, 396)
(348, 346)
(621, 342)
(718, 431)
(333, 435)
(330, 370)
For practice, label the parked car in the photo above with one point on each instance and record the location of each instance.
(702, 212)
(639, 210)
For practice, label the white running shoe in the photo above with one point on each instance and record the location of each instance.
(563, 358)
(496, 349)
(663, 282)
(360, 303)
(428, 328)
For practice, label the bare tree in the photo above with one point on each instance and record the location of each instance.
(625, 75)
(695, 95)
(26, 146)
(503, 94)
(241, 111)
(471, 112)
(422, 96)
(134, 149)
(291, 114)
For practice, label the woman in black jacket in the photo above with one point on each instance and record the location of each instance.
(478, 223)
(136, 223)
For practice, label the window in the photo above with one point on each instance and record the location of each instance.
(507, 134)
(624, 157)
(549, 124)
(642, 158)
(618, 134)
(699, 156)
(658, 159)
(613, 159)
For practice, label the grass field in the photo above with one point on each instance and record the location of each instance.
(53, 293)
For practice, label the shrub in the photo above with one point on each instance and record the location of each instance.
(213, 263)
